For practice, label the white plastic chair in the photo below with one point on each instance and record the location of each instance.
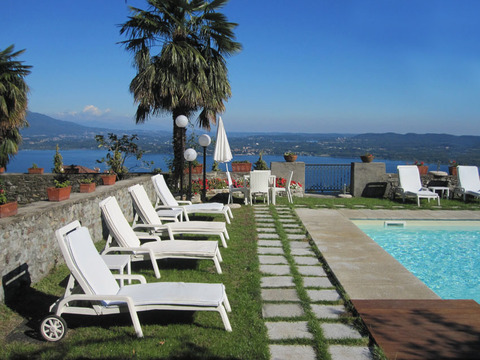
(232, 190)
(410, 184)
(165, 196)
(150, 221)
(259, 185)
(468, 181)
(286, 189)
(93, 290)
(128, 241)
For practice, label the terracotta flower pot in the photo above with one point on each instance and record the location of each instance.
(195, 169)
(367, 158)
(452, 170)
(241, 167)
(423, 170)
(8, 209)
(59, 194)
(37, 171)
(2, 169)
(87, 188)
(290, 158)
(109, 179)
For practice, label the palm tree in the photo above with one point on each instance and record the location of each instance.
(13, 102)
(189, 72)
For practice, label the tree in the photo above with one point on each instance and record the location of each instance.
(189, 74)
(13, 103)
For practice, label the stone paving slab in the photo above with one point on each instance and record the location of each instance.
(323, 295)
(295, 237)
(288, 220)
(263, 216)
(277, 281)
(275, 269)
(288, 330)
(302, 252)
(294, 230)
(270, 250)
(269, 243)
(272, 259)
(292, 352)
(265, 220)
(268, 236)
(291, 225)
(317, 281)
(300, 245)
(266, 230)
(339, 331)
(282, 310)
(328, 311)
(306, 260)
(342, 352)
(311, 271)
(280, 295)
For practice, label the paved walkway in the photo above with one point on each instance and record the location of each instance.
(299, 301)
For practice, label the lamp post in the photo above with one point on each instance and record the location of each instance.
(204, 140)
(181, 121)
(190, 155)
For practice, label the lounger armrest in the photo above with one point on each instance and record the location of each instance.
(186, 202)
(149, 226)
(139, 278)
(119, 249)
(166, 207)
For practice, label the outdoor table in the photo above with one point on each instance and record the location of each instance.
(118, 263)
(443, 189)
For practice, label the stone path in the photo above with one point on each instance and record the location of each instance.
(299, 301)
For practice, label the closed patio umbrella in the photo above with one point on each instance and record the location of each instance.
(222, 153)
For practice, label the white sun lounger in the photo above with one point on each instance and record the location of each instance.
(468, 181)
(145, 212)
(410, 184)
(93, 290)
(129, 241)
(168, 201)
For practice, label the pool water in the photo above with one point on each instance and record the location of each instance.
(445, 255)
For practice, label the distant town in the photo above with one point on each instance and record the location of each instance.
(45, 133)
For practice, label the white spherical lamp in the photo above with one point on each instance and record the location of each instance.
(190, 154)
(204, 140)
(181, 121)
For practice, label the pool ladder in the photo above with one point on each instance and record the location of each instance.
(395, 224)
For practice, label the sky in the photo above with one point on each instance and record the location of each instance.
(317, 66)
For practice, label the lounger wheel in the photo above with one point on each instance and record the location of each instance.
(53, 328)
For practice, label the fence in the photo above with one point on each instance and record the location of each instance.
(327, 178)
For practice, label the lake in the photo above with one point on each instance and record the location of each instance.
(44, 158)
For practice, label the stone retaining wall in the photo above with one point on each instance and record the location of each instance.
(28, 246)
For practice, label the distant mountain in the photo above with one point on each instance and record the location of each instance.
(43, 125)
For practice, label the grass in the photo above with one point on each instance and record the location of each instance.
(181, 335)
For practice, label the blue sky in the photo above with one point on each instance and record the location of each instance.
(307, 66)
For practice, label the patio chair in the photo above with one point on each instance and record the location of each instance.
(232, 190)
(168, 201)
(468, 181)
(150, 221)
(259, 184)
(410, 184)
(286, 189)
(93, 290)
(154, 249)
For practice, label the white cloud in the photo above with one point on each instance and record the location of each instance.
(93, 110)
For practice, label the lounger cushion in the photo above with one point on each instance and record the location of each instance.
(174, 248)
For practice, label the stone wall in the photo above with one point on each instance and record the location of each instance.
(28, 246)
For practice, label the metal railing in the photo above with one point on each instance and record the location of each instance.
(327, 178)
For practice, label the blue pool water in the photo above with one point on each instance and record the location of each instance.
(445, 255)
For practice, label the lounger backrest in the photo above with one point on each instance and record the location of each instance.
(143, 206)
(162, 190)
(89, 263)
(259, 180)
(287, 185)
(468, 178)
(409, 177)
(118, 226)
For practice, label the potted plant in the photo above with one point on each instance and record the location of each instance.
(290, 156)
(367, 158)
(35, 169)
(57, 162)
(260, 164)
(87, 185)
(61, 190)
(109, 177)
(452, 167)
(422, 168)
(241, 166)
(7, 208)
(197, 168)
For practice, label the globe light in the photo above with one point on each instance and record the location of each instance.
(190, 154)
(204, 140)
(181, 121)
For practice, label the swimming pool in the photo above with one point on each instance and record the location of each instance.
(445, 255)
